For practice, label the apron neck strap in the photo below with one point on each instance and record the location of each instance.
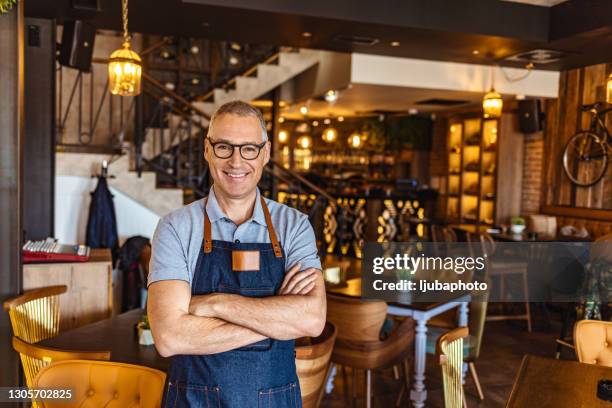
(271, 231)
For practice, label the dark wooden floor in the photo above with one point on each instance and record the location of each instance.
(504, 344)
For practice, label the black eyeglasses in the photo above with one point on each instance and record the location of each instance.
(224, 150)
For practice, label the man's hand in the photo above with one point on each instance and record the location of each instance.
(298, 283)
(295, 283)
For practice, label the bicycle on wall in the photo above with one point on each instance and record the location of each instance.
(585, 157)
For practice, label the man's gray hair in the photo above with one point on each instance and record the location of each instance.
(239, 108)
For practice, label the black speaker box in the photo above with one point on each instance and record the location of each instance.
(77, 45)
(530, 116)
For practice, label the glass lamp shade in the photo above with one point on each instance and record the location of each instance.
(609, 90)
(330, 135)
(492, 104)
(124, 72)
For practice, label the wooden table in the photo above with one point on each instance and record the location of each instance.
(117, 335)
(546, 382)
(421, 312)
(524, 237)
(90, 287)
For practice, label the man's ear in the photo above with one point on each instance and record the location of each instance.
(206, 151)
(267, 149)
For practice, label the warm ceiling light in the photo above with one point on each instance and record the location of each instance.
(304, 142)
(233, 60)
(340, 118)
(492, 104)
(609, 92)
(475, 52)
(194, 49)
(306, 34)
(281, 119)
(327, 121)
(315, 123)
(331, 96)
(124, 65)
(283, 136)
(330, 135)
(304, 110)
(355, 141)
(395, 43)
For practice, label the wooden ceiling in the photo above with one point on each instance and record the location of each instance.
(470, 31)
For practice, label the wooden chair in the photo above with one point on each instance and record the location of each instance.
(502, 268)
(35, 315)
(593, 342)
(438, 325)
(35, 357)
(358, 344)
(102, 384)
(312, 357)
(449, 350)
(599, 251)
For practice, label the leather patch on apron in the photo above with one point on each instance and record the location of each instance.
(245, 261)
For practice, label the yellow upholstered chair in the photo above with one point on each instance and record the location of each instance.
(102, 384)
(449, 350)
(35, 315)
(312, 363)
(35, 357)
(593, 342)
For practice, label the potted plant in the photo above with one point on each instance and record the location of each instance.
(145, 337)
(517, 225)
(6, 5)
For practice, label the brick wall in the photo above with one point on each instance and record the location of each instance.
(533, 166)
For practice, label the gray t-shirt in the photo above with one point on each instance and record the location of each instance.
(178, 238)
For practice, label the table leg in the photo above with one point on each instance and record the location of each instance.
(418, 394)
(462, 321)
(329, 387)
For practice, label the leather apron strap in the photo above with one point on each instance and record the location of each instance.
(271, 231)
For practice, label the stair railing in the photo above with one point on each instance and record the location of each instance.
(228, 84)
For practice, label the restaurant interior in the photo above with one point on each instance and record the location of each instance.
(481, 123)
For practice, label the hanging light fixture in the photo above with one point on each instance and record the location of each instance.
(124, 65)
(304, 142)
(283, 136)
(330, 135)
(355, 141)
(609, 88)
(492, 102)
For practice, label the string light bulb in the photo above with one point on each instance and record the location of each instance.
(283, 136)
(304, 142)
(355, 141)
(124, 64)
(330, 135)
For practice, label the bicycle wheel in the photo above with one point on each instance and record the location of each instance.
(585, 159)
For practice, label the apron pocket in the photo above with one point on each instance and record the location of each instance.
(285, 396)
(263, 345)
(181, 394)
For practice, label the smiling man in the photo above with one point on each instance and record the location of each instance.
(234, 279)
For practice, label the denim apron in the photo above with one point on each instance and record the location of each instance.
(261, 374)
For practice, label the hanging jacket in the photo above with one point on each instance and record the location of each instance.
(102, 222)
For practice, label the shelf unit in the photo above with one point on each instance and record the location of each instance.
(472, 170)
